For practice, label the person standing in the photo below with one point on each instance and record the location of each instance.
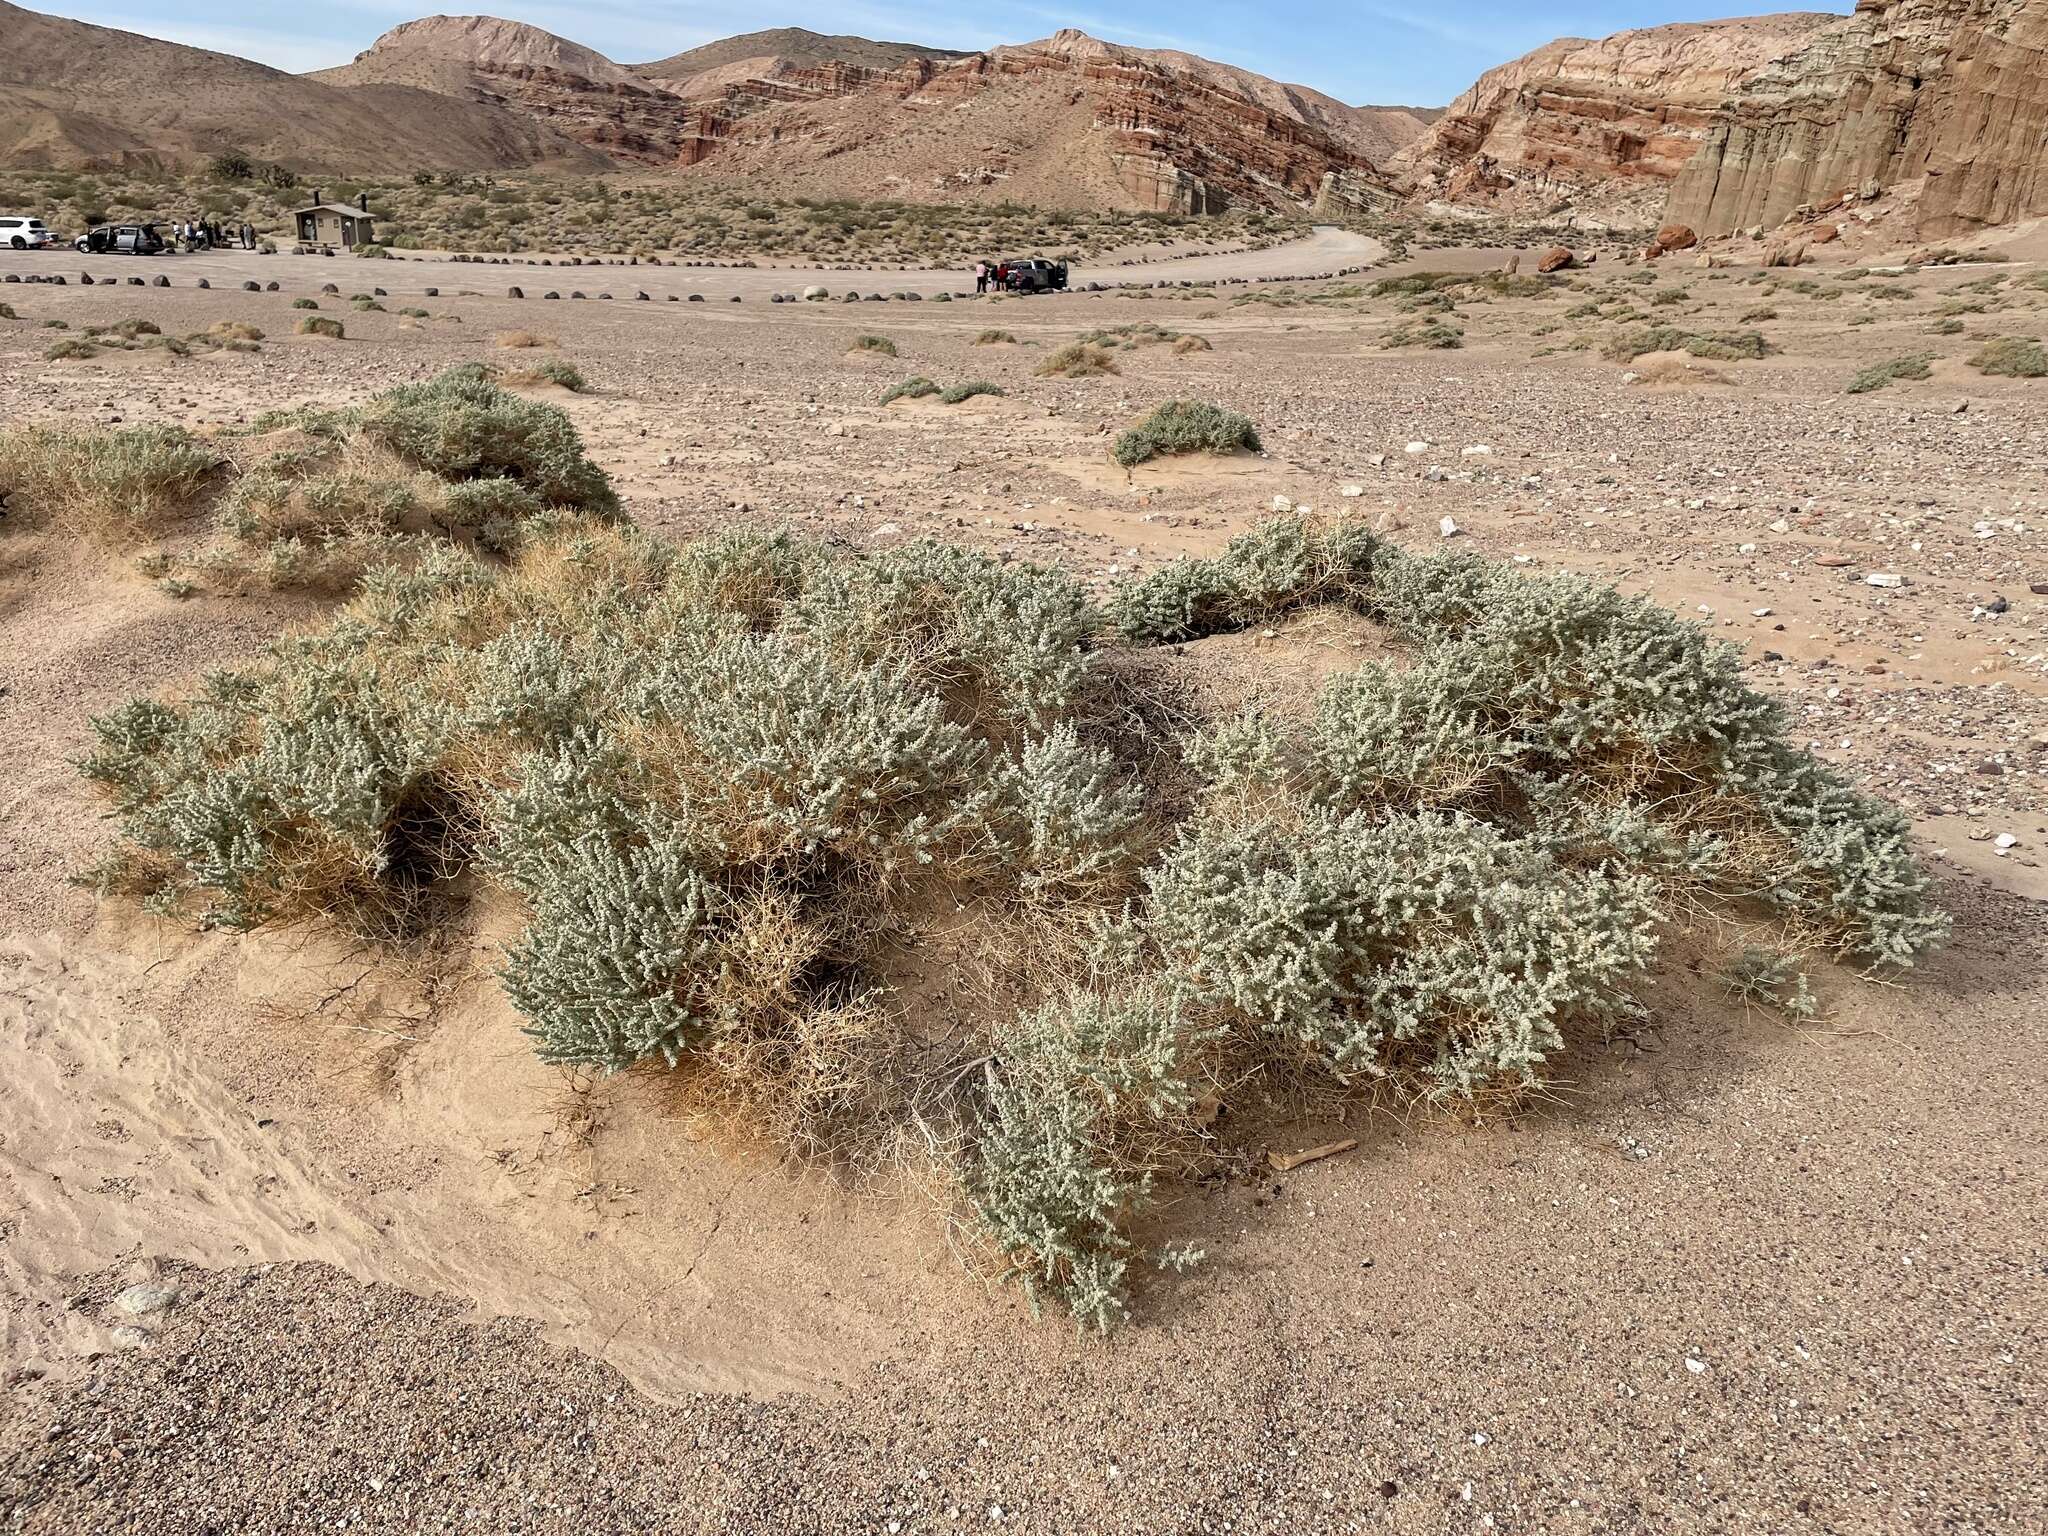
(981, 277)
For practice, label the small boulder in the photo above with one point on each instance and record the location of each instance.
(1557, 259)
(1676, 237)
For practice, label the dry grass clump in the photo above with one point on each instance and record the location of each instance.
(312, 498)
(553, 370)
(920, 388)
(113, 486)
(513, 340)
(1878, 375)
(1143, 333)
(319, 325)
(728, 784)
(1077, 360)
(1717, 346)
(995, 338)
(881, 346)
(2013, 357)
(1435, 334)
(910, 389)
(1185, 426)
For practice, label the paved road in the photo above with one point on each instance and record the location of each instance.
(1326, 249)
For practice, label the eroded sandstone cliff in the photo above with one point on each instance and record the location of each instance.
(1952, 90)
(1578, 115)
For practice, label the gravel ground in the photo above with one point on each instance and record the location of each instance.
(1734, 1277)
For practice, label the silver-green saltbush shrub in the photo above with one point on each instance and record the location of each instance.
(1079, 1110)
(1185, 426)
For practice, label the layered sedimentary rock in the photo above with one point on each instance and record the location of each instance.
(1952, 90)
(1183, 134)
(573, 90)
(1157, 130)
(1824, 121)
(1579, 114)
(1987, 163)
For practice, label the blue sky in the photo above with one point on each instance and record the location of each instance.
(1413, 52)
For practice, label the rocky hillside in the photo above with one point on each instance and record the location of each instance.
(1067, 119)
(1600, 120)
(691, 73)
(1955, 91)
(79, 95)
(1126, 126)
(571, 90)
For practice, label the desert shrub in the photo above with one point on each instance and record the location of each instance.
(1434, 334)
(1080, 1114)
(365, 306)
(1077, 360)
(519, 339)
(1142, 333)
(989, 338)
(2012, 356)
(461, 426)
(70, 349)
(1878, 375)
(1185, 426)
(723, 781)
(373, 252)
(553, 370)
(319, 325)
(881, 345)
(910, 389)
(7, 312)
(1283, 564)
(324, 495)
(1416, 946)
(1183, 345)
(114, 484)
(1763, 978)
(1946, 327)
(305, 303)
(953, 394)
(1719, 346)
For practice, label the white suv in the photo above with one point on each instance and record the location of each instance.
(25, 234)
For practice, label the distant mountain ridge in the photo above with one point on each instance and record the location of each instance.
(73, 94)
(800, 110)
(1720, 124)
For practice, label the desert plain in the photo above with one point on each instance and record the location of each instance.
(297, 1237)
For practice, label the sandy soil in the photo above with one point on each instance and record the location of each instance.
(1734, 1276)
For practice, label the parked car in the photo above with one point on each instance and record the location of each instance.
(121, 240)
(1035, 275)
(25, 234)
